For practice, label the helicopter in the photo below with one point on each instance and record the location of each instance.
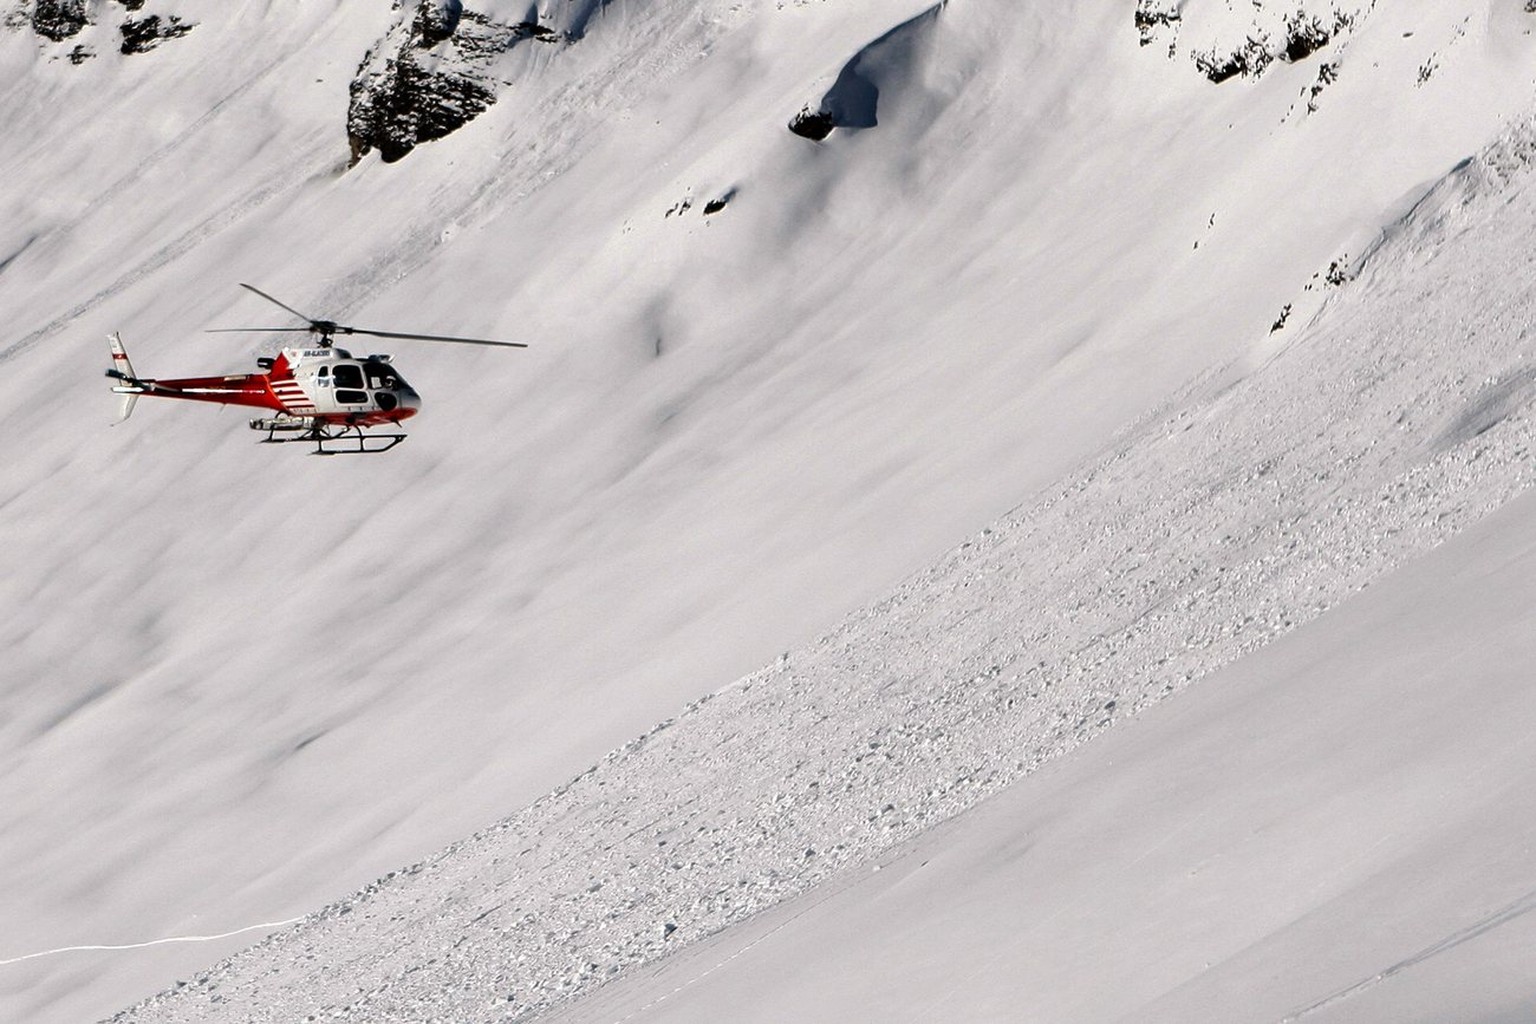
(319, 394)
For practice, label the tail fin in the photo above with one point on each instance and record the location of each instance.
(122, 369)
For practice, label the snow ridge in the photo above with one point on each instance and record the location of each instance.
(1399, 417)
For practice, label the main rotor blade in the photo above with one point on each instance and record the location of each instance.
(275, 302)
(433, 337)
(255, 330)
(326, 328)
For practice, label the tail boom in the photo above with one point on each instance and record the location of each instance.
(250, 389)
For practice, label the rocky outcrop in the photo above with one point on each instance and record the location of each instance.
(59, 19)
(1248, 60)
(437, 20)
(1304, 35)
(140, 35)
(429, 76)
(1258, 42)
(1154, 15)
(812, 124)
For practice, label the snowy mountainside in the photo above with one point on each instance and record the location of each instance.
(1335, 829)
(240, 683)
(1263, 502)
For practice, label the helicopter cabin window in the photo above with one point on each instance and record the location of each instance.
(348, 397)
(348, 375)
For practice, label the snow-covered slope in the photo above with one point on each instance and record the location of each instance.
(1213, 531)
(239, 683)
(1337, 829)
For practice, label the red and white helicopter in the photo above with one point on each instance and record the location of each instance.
(343, 404)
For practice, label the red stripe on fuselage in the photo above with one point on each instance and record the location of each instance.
(250, 389)
(365, 419)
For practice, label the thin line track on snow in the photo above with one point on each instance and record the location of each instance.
(269, 925)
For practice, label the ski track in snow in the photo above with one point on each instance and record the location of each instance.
(1401, 416)
(162, 257)
(1504, 915)
(174, 940)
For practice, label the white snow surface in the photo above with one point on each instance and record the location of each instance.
(241, 683)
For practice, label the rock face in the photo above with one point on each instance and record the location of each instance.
(58, 19)
(429, 76)
(812, 124)
(141, 35)
(1247, 45)
(1153, 15)
(436, 20)
(1303, 36)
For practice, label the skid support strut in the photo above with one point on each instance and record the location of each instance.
(328, 439)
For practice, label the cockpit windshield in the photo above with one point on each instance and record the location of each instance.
(381, 375)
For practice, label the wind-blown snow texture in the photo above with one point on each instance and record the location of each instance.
(240, 683)
(1219, 527)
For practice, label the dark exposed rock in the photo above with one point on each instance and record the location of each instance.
(533, 30)
(1305, 35)
(429, 77)
(1340, 272)
(815, 125)
(1152, 15)
(1249, 59)
(132, 5)
(409, 105)
(58, 19)
(437, 20)
(140, 35)
(1280, 321)
(1327, 74)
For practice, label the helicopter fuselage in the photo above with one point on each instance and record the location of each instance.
(321, 385)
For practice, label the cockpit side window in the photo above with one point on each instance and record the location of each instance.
(381, 376)
(348, 375)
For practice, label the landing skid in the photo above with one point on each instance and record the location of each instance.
(327, 438)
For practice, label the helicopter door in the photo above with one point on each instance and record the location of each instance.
(349, 384)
